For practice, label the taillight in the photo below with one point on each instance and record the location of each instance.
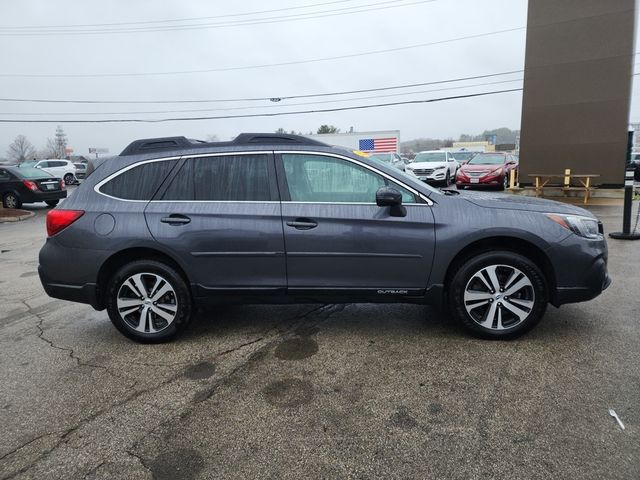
(62, 185)
(33, 186)
(58, 220)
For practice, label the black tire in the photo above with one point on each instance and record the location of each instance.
(535, 294)
(69, 179)
(505, 183)
(447, 179)
(180, 293)
(52, 203)
(11, 200)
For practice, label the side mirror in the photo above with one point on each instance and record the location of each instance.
(391, 197)
(388, 197)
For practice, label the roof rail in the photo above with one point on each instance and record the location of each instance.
(153, 145)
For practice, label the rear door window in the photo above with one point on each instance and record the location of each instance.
(140, 182)
(230, 178)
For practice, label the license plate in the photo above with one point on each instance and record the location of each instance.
(422, 178)
(475, 180)
(49, 186)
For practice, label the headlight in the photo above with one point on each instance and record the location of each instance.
(585, 227)
(439, 168)
(496, 172)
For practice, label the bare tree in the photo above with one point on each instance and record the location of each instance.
(21, 149)
(49, 151)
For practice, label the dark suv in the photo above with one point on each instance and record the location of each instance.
(171, 223)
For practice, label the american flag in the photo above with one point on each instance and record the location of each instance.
(378, 144)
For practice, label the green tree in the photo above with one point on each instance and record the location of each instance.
(328, 129)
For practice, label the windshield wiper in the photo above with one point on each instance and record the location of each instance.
(446, 191)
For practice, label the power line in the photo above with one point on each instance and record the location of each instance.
(274, 114)
(255, 99)
(234, 23)
(252, 67)
(258, 12)
(324, 102)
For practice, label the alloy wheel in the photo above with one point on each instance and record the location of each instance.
(10, 201)
(499, 297)
(147, 302)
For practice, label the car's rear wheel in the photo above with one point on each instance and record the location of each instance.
(11, 200)
(148, 301)
(498, 295)
(69, 179)
(52, 203)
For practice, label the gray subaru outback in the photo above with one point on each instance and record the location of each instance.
(173, 223)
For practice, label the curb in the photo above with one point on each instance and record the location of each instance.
(16, 219)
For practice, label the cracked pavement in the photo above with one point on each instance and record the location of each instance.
(315, 391)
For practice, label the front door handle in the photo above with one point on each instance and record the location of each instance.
(176, 219)
(303, 224)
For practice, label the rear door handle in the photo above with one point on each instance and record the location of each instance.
(176, 219)
(303, 224)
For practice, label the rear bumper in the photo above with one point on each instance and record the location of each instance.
(74, 293)
(33, 197)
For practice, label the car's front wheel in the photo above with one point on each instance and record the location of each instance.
(498, 295)
(148, 301)
(11, 200)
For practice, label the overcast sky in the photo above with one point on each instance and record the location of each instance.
(392, 24)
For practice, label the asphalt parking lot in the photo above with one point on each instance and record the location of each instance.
(316, 391)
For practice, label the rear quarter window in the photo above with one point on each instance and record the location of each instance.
(140, 182)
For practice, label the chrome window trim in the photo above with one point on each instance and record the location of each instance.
(364, 165)
(97, 187)
(117, 173)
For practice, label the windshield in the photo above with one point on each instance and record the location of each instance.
(27, 164)
(410, 180)
(487, 159)
(463, 156)
(385, 157)
(27, 172)
(431, 157)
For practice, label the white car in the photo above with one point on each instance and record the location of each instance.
(56, 168)
(434, 166)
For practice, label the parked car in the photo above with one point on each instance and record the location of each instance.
(463, 156)
(170, 224)
(29, 185)
(434, 166)
(58, 168)
(391, 158)
(635, 164)
(487, 170)
(81, 170)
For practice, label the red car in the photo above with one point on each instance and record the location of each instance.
(487, 170)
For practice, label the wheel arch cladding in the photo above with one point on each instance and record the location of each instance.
(511, 244)
(118, 259)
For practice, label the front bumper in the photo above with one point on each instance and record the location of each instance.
(439, 176)
(494, 181)
(597, 280)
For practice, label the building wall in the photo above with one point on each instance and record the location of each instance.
(577, 88)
